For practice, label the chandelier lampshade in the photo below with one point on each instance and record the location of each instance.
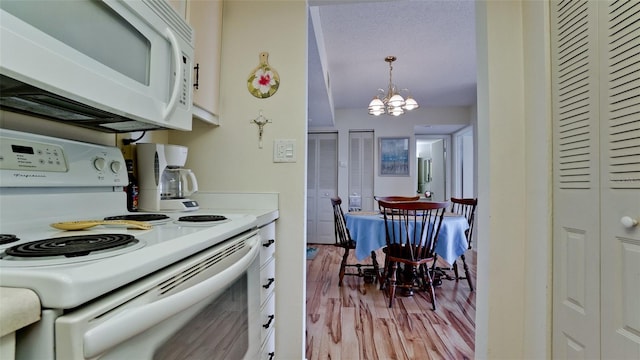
(392, 103)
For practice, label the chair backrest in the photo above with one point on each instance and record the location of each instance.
(466, 208)
(412, 228)
(342, 233)
(395, 198)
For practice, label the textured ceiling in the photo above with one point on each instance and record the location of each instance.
(434, 42)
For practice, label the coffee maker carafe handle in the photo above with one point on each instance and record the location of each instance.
(189, 188)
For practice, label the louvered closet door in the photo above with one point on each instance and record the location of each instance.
(576, 247)
(361, 168)
(620, 169)
(322, 184)
(596, 125)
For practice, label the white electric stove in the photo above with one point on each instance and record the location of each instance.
(45, 180)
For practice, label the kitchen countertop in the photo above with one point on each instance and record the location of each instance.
(264, 206)
(18, 308)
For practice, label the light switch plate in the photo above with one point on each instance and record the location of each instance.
(284, 150)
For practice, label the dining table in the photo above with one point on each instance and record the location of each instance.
(368, 231)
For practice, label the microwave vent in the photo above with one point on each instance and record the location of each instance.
(169, 15)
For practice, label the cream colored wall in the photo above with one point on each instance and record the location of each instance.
(538, 189)
(513, 288)
(227, 158)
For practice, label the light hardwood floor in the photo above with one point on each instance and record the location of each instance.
(354, 322)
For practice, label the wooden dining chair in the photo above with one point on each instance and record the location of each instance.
(343, 240)
(392, 198)
(467, 208)
(411, 234)
(396, 198)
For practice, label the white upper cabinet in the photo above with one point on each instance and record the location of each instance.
(205, 17)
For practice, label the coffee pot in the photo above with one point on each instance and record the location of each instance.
(165, 184)
(177, 183)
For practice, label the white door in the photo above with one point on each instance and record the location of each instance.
(361, 154)
(596, 126)
(620, 179)
(576, 187)
(322, 185)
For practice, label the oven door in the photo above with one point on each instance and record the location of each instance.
(206, 307)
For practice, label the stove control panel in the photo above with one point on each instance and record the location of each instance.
(16, 154)
(31, 160)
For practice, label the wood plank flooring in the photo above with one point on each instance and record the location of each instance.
(354, 322)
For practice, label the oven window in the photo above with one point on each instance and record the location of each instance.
(218, 330)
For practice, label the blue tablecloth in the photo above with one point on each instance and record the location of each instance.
(368, 231)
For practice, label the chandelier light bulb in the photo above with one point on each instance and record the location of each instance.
(392, 102)
(410, 104)
(396, 111)
(396, 101)
(376, 104)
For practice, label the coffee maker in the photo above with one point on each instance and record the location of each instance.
(164, 182)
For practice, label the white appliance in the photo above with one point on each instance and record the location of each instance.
(139, 292)
(115, 66)
(164, 183)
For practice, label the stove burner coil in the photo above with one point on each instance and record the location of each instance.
(8, 238)
(202, 218)
(71, 246)
(139, 217)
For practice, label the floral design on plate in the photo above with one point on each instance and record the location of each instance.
(263, 80)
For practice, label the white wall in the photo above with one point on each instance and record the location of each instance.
(227, 158)
(514, 172)
(388, 126)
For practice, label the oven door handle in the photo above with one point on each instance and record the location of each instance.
(136, 320)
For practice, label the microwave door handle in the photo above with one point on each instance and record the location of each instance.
(175, 92)
(136, 320)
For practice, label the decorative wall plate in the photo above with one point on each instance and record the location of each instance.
(263, 80)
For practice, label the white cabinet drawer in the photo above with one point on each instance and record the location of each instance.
(267, 318)
(268, 350)
(267, 280)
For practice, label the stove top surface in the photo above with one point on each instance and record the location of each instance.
(67, 280)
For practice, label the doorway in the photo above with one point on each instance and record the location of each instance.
(322, 185)
(433, 150)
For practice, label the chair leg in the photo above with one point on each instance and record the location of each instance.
(466, 271)
(385, 274)
(431, 287)
(343, 266)
(392, 283)
(376, 267)
(455, 270)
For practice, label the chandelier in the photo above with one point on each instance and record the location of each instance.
(392, 103)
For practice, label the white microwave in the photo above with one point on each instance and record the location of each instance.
(110, 65)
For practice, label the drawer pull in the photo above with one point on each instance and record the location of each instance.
(271, 355)
(268, 243)
(266, 326)
(269, 282)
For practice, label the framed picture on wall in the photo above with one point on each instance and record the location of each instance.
(393, 155)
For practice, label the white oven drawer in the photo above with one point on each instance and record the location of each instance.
(267, 280)
(267, 318)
